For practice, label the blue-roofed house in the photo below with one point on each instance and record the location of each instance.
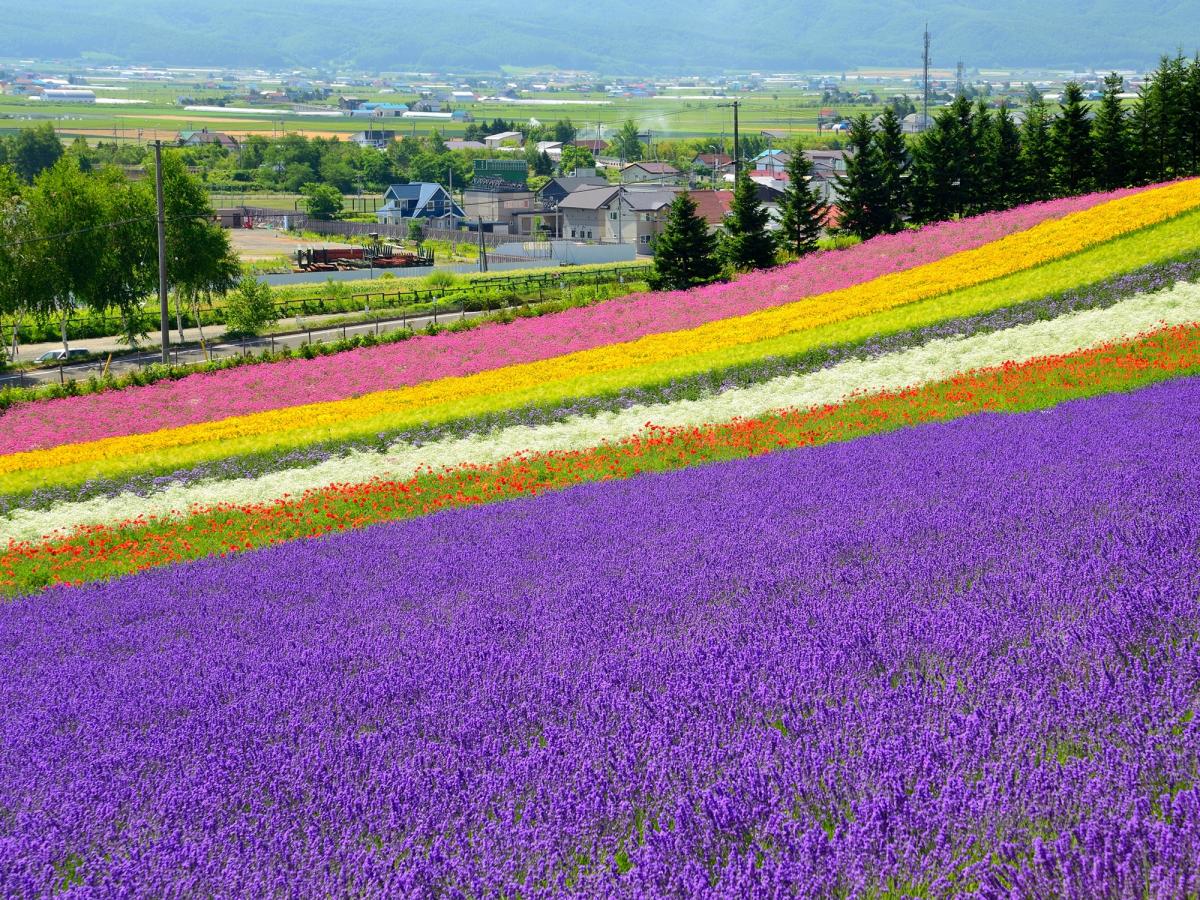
(418, 200)
(773, 161)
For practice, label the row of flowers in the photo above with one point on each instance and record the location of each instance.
(144, 542)
(1100, 295)
(580, 374)
(935, 360)
(239, 392)
(955, 660)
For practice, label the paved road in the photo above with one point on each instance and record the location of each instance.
(317, 333)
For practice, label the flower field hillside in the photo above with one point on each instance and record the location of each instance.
(871, 575)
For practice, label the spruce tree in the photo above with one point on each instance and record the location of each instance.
(1191, 100)
(893, 169)
(979, 193)
(802, 211)
(1003, 160)
(685, 253)
(1111, 138)
(1162, 130)
(861, 197)
(1037, 156)
(937, 163)
(1140, 140)
(1071, 136)
(748, 245)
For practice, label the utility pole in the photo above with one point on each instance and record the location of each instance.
(164, 315)
(925, 83)
(483, 265)
(620, 214)
(737, 147)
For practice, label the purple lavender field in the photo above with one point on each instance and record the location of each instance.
(958, 659)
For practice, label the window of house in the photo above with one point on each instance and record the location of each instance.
(645, 238)
(613, 215)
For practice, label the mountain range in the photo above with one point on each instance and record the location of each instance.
(620, 36)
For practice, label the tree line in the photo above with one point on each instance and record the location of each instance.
(73, 240)
(973, 159)
(970, 160)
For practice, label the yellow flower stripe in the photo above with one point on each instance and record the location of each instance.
(1045, 242)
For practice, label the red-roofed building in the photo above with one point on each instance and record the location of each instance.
(712, 206)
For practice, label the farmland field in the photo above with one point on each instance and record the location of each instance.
(874, 575)
(148, 110)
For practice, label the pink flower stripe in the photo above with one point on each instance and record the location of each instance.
(236, 392)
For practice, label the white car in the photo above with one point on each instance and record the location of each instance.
(61, 356)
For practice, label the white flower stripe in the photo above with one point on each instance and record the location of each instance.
(933, 362)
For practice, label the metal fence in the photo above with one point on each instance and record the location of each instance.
(447, 307)
(492, 286)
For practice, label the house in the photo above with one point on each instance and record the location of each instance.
(463, 96)
(510, 139)
(717, 163)
(204, 136)
(585, 211)
(643, 172)
(457, 144)
(712, 206)
(556, 189)
(418, 200)
(499, 209)
(641, 218)
(499, 193)
(613, 214)
(597, 147)
(552, 149)
(771, 161)
(378, 138)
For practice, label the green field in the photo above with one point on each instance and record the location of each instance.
(665, 117)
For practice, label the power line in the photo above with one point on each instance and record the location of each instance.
(102, 226)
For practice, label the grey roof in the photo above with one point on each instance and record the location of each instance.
(649, 201)
(571, 183)
(589, 197)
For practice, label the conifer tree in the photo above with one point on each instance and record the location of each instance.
(936, 169)
(1071, 137)
(802, 211)
(685, 253)
(1037, 156)
(862, 200)
(1140, 140)
(893, 169)
(979, 191)
(748, 245)
(1191, 101)
(1163, 122)
(1111, 137)
(1003, 160)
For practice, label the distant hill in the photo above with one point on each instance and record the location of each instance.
(618, 36)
